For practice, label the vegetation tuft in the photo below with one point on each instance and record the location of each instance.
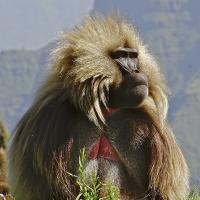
(93, 191)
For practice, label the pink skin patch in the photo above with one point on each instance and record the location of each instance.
(107, 112)
(102, 148)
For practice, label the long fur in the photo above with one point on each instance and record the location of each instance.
(81, 75)
(3, 159)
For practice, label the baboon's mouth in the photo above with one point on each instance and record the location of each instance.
(141, 82)
(138, 82)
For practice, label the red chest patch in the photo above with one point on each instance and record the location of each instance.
(102, 148)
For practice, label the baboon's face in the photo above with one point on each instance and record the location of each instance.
(114, 75)
(133, 88)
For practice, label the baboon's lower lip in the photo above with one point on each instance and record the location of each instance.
(141, 82)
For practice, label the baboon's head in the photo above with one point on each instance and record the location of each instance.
(105, 64)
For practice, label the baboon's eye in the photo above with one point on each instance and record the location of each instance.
(124, 53)
(119, 54)
(133, 54)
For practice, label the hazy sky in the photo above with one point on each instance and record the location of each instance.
(33, 23)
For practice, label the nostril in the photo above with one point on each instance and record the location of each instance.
(136, 71)
(127, 72)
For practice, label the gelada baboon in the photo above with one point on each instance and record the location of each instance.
(3, 159)
(104, 92)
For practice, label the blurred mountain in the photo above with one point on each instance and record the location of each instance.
(21, 73)
(170, 27)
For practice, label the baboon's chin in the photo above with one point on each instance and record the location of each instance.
(129, 97)
(141, 92)
(136, 96)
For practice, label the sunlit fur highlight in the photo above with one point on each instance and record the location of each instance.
(82, 63)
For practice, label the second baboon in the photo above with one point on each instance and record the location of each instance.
(3, 159)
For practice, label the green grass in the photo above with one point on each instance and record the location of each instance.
(92, 192)
(194, 194)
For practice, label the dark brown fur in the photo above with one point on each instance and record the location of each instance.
(67, 116)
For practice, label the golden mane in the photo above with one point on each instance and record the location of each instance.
(89, 46)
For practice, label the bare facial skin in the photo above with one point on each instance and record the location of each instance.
(134, 86)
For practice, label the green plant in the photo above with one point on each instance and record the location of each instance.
(194, 194)
(112, 192)
(92, 192)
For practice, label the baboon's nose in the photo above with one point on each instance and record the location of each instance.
(126, 59)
